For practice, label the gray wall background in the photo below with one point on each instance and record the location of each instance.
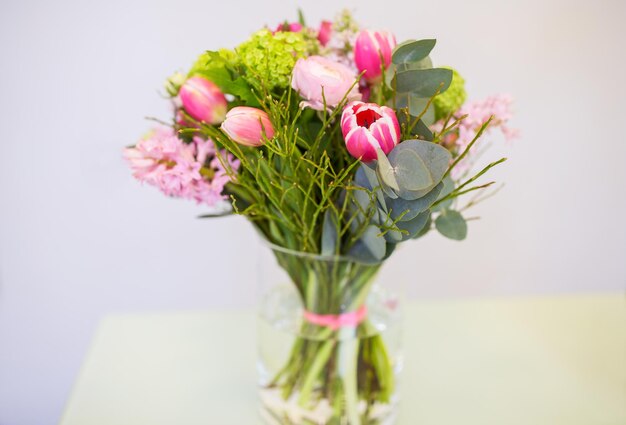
(79, 238)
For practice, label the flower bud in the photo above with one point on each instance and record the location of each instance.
(288, 27)
(203, 100)
(323, 82)
(325, 32)
(369, 47)
(367, 127)
(248, 126)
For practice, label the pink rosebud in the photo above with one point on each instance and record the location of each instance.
(318, 79)
(288, 27)
(324, 33)
(368, 49)
(248, 126)
(367, 127)
(203, 100)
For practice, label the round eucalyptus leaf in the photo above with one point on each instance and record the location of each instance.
(412, 51)
(419, 165)
(451, 224)
(426, 228)
(411, 171)
(414, 226)
(397, 207)
(370, 245)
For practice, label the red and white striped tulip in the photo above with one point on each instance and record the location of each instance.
(203, 100)
(369, 48)
(367, 127)
(248, 126)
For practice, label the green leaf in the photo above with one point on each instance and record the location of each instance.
(416, 106)
(423, 82)
(414, 226)
(448, 187)
(426, 228)
(370, 247)
(433, 158)
(412, 51)
(330, 231)
(411, 171)
(385, 171)
(451, 224)
(399, 206)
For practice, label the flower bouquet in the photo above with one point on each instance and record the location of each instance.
(338, 145)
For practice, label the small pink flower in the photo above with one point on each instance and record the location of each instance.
(325, 32)
(184, 170)
(248, 126)
(321, 81)
(288, 27)
(367, 127)
(203, 100)
(368, 49)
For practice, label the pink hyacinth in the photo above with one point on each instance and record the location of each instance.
(190, 171)
(478, 112)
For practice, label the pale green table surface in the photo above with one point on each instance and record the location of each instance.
(528, 361)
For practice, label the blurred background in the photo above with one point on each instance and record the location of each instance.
(79, 238)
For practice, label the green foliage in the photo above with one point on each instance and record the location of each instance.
(220, 68)
(411, 52)
(451, 224)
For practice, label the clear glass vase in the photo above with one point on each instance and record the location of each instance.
(329, 342)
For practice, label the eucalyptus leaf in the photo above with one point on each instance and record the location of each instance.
(451, 224)
(432, 157)
(385, 170)
(414, 226)
(423, 82)
(397, 207)
(417, 106)
(448, 187)
(426, 228)
(412, 51)
(330, 232)
(422, 130)
(411, 171)
(370, 247)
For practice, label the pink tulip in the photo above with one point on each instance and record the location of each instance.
(368, 49)
(324, 33)
(318, 79)
(203, 100)
(367, 127)
(288, 27)
(248, 126)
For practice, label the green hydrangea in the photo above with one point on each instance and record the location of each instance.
(452, 99)
(269, 59)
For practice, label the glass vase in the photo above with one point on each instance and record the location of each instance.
(329, 342)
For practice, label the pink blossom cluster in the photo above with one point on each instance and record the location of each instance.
(184, 170)
(478, 112)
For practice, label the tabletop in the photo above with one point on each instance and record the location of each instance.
(528, 361)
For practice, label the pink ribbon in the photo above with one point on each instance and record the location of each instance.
(336, 321)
